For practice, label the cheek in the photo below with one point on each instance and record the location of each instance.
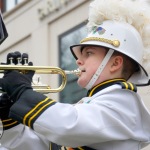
(93, 68)
(91, 71)
(86, 76)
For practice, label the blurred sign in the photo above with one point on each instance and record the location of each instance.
(51, 6)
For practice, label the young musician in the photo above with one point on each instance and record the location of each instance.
(112, 116)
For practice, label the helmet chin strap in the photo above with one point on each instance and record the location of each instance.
(100, 69)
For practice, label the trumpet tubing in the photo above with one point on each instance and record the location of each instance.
(43, 70)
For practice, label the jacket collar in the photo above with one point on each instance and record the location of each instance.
(103, 85)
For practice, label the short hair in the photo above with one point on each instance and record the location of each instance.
(129, 65)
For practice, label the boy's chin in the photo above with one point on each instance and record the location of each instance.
(81, 83)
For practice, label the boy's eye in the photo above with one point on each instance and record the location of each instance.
(89, 53)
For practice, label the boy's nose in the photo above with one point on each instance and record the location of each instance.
(79, 62)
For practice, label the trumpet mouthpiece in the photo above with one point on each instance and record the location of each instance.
(75, 72)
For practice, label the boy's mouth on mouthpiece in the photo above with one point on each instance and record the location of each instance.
(82, 70)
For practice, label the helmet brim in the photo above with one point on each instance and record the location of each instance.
(139, 78)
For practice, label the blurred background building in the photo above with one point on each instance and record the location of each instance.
(45, 29)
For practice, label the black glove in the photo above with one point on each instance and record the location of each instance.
(5, 104)
(14, 83)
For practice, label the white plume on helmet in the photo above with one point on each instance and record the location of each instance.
(123, 26)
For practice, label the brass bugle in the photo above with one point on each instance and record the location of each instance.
(43, 70)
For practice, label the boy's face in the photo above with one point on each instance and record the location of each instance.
(88, 61)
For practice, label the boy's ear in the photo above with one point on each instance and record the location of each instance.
(116, 64)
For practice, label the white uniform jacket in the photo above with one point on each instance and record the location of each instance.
(112, 117)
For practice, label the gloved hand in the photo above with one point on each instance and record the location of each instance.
(14, 82)
(5, 104)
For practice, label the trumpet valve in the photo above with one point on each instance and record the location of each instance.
(25, 59)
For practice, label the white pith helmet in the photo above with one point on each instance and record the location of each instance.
(121, 37)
